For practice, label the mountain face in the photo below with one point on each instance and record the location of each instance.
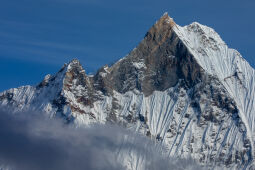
(181, 86)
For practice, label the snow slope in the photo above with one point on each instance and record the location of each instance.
(235, 73)
(181, 86)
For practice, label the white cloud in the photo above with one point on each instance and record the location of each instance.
(34, 142)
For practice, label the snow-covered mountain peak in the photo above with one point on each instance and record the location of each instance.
(181, 86)
(75, 63)
(203, 30)
(210, 51)
(226, 64)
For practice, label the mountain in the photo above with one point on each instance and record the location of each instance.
(181, 86)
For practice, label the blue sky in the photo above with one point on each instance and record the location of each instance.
(38, 36)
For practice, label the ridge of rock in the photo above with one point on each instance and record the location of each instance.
(181, 86)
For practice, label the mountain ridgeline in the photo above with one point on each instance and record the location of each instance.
(181, 86)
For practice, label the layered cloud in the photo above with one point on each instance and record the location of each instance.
(32, 142)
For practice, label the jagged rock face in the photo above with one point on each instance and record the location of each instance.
(158, 63)
(168, 88)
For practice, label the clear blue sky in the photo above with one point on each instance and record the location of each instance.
(38, 36)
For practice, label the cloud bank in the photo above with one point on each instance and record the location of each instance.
(29, 141)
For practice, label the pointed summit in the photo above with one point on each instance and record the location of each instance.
(165, 19)
(166, 13)
(74, 66)
(75, 60)
(181, 86)
(161, 30)
(74, 63)
(75, 71)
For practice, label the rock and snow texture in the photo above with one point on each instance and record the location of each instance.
(181, 86)
(214, 56)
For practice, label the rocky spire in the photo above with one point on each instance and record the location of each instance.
(166, 19)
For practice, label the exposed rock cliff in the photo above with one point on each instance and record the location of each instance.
(181, 86)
